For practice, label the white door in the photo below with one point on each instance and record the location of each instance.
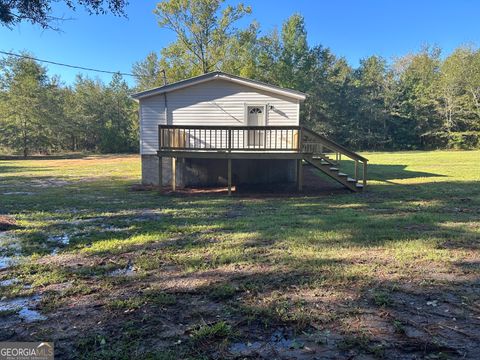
(255, 117)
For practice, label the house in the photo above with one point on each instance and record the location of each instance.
(219, 128)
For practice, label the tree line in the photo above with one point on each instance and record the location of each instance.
(423, 100)
(39, 114)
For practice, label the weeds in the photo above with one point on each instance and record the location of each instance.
(205, 333)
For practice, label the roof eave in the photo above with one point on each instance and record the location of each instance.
(211, 76)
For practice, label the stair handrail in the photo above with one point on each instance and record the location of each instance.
(322, 140)
(334, 146)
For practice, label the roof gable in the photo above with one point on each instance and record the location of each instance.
(218, 75)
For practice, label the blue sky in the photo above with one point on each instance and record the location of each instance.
(351, 28)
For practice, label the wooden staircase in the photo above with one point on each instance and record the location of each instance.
(326, 156)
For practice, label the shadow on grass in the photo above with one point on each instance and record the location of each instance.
(258, 265)
(386, 172)
(52, 157)
(433, 213)
(14, 169)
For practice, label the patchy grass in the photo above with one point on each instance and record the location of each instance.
(8, 312)
(392, 272)
(222, 292)
(207, 333)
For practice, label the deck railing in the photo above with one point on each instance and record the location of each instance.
(320, 146)
(288, 139)
(224, 138)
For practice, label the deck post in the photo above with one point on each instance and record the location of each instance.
(229, 176)
(160, 174)
(229, 140)
(300, 139)
(356, 169)
(364, 174)
(299, 175)
(174, 174)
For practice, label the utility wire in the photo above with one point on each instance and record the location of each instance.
(67, 65)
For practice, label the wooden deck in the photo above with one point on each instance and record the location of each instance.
(261, 142)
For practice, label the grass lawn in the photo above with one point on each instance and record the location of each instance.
(110, 273)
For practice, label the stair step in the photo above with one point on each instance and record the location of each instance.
(360, 186)
(351, 180)
(342, 174)
(333, 169)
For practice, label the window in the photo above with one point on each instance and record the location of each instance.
(256, 110)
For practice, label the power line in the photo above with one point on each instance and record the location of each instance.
(67, 65)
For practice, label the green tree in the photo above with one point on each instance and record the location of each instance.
(417, 76)
(39, 12)
(369, 126)
(119, 131)
(285, 59)
(87, 108)
(244, 50)
(204, 30)
(103, 118)
(459, 90)
(149, 73)
(327, 107)
(24, 85)
(295, 58)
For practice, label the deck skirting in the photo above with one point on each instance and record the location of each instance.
(198, 171)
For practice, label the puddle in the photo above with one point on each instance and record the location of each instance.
(61, 239)
(7, 261)
(279, 342)
(85, 221)
(29, 315)
(49, 183)
(8, 282)
(147, 215)
(10, 250)
(127, 271)
(23, 308)
(17, 193)
(245, 349)
(113, 228)
(67, 210)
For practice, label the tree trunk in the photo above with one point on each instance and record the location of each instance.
(25, 139)
(25, 150)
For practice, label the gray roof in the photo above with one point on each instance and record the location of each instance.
(224, 76)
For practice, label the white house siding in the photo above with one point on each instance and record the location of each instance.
(216, 102)
(152, 113)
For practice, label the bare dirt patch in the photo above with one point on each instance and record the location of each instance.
(401, 321)
(8, 223)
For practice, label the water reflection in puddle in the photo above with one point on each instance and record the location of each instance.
(8, 282)
(23, 308)
(10, 250)
(7, 261)
(127, 271)
(61, 239)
